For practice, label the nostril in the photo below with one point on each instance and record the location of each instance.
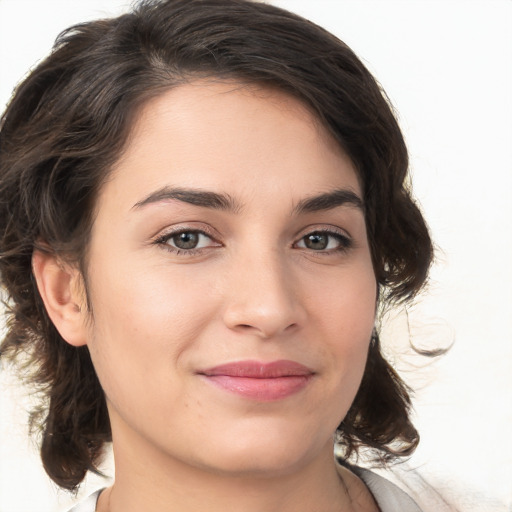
(291, 327)
(265, 331)
(265, 316)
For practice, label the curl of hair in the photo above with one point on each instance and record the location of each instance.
(69, 121)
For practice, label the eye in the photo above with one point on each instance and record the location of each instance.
(186, 240)
(324, 241)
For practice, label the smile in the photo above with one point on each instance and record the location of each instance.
(258, 381)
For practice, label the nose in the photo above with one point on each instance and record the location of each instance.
(263, 298)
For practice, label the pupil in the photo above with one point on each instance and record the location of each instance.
(316, 241)
(186, 240)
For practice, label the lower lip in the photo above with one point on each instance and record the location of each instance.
(263, 390)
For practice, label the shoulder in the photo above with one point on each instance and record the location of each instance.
(87, 505)
(389, 497)
(403, 488)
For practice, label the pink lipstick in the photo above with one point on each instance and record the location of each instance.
(260, 381)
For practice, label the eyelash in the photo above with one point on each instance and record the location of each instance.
(164, 239)
(344, 241)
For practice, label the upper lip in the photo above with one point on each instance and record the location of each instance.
(259, 370)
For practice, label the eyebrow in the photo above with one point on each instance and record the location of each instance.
(329, 201)
(202, 198)
(216, 201)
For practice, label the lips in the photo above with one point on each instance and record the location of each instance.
(260, 381)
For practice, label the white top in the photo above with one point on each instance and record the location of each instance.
(388, 496)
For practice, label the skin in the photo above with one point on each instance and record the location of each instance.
(253, 289)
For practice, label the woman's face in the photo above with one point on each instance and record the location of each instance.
(231, 283)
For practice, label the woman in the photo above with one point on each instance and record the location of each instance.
(203, 209)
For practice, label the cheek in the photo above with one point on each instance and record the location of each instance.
(345, 315)
(346, 305)
(144, 322)
(146, 301)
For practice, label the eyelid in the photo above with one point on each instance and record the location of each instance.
(193, 226)
(323, 228)
(163, 236)
(346, 240)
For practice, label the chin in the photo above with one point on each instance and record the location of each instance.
(266, 452)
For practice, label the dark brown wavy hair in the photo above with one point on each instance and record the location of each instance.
(68, 122)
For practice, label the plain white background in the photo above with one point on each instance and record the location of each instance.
(447, 68)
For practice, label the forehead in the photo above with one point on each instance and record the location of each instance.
(229, 137)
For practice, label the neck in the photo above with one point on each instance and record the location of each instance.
(157, 482)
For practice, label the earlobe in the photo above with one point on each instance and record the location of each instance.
(58, 285)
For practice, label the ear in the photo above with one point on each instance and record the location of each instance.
(60, 288)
